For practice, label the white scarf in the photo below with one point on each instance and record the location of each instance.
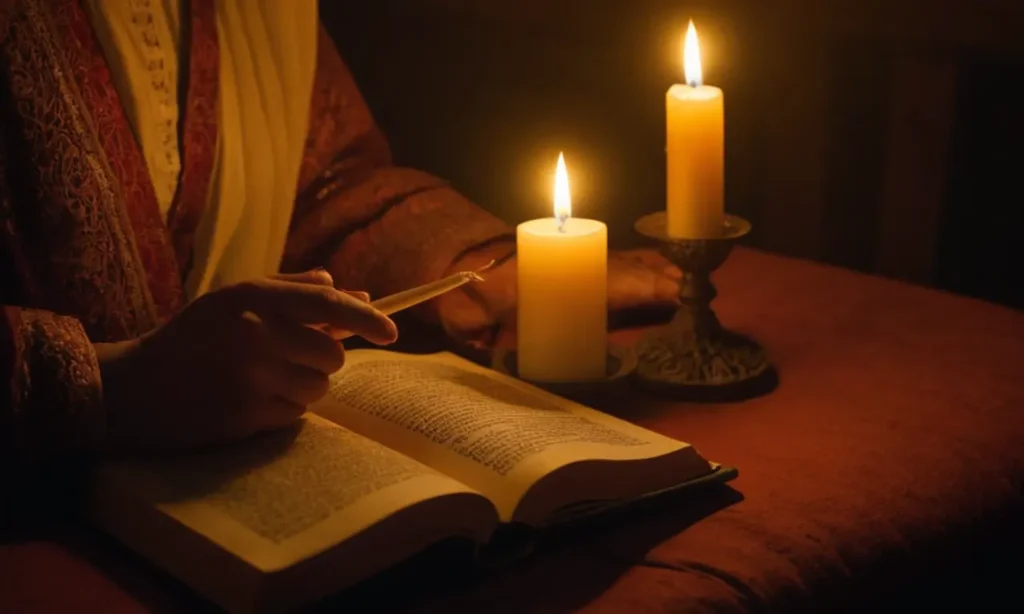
(267, 66)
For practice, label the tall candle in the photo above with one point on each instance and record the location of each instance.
(696, 150)
(563, 294)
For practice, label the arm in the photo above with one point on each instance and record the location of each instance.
(50, 392)
(49, 387)
(376, 226)
(51, 402)
(383, 228)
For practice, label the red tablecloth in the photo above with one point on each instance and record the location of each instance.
(890, 449)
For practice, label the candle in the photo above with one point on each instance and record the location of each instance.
(696, 151)
(563, 294)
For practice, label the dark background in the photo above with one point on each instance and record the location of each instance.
(883, 136)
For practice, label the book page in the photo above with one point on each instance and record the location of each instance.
(493, 433)
(283, 496)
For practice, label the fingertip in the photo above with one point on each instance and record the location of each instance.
(353, 316)
(388, 332)
(392, 331)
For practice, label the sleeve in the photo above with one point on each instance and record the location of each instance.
(50, 391)
(49, 386)
(374, 225)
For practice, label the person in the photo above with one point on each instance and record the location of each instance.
(183, 185)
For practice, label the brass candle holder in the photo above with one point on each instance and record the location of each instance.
(693, 355)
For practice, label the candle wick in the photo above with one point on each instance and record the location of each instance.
(562, 217)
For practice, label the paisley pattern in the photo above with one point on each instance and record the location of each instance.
(343, 143)
(81, 231)
(199, 135)
(97, 244)
(137, 38)
(377, 227)
(81, 228)
(55, 386)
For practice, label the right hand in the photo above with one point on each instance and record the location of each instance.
(239, 360)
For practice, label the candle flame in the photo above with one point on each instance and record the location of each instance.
(691, 58)
(563, 202)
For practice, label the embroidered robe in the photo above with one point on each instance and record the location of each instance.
(85, 255)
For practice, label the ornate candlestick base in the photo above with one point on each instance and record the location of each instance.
(694, 356)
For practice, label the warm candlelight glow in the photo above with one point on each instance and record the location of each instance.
(694, 152)
(563, 202)
(562, 287)
(691, 58)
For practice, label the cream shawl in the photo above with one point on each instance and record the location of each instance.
(267, 66)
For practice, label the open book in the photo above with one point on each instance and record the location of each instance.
(404, 452)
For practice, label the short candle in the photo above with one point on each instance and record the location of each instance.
(695, 127)
(563, 294)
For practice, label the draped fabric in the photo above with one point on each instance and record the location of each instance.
(141, 40)
(268, 60)
(281, 167)
(267, 56)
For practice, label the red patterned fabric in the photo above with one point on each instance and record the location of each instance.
(81, 232)
(80, 229)
(377, 227)
(102, 252)
(199, 134)
(55, 385)
(93, 240)
(122, 152)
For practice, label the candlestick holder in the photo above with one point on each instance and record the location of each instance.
(694, 355)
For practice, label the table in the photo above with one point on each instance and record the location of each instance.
(888, 460)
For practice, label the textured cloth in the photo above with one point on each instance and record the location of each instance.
(892, 441)
(141, 41)
(894, 437)
(271, 125)
(268, 53)
(268, 62)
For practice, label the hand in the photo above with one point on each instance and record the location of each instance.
(637, 279)
(641, 279)
(240, 360)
